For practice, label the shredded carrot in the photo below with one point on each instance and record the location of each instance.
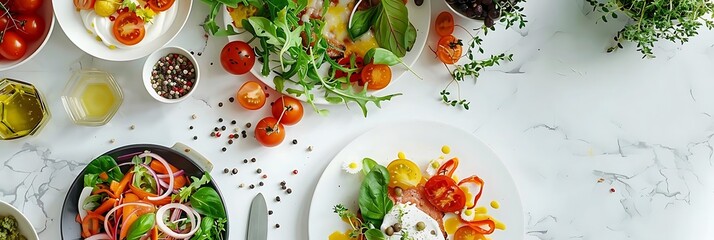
(106, 206)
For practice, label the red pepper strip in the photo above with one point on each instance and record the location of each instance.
(475, 180)
(449, 167)
(483, 227)
(102, 190)
(90, 224)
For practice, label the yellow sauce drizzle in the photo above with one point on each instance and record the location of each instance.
(445, 149)
(451, 225)
(481, 210)
(495, 204)
(401, 155)
(337, 235)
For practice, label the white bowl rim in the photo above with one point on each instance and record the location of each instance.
(14, 212)
(18, 63)
(151, 60)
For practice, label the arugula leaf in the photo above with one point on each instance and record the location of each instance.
(391, 26)
(185, 192)
(362, 21)
(279, 83)
(265, 29)
(105, 164)
(374, 201)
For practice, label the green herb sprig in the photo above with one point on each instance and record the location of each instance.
(672, 20)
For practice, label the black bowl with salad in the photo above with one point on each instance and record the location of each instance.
(144, 192)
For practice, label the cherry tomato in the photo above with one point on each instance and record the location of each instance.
(292, 108)
(444, 24)
(237, 57)
(13, 47)
(160, 5)
(376, 76)
(444, 194)
(269, 132)
(129, 28)
(4, 20)
(449, 49)
(403, 173)
(356, 76)
(84, 4)
(31, 27)
(251, 95)
(468, 233)
(26, 6)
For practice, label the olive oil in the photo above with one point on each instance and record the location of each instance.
(22, 111)
(97, 100)
(92, 97)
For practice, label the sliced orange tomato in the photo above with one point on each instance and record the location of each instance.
(483, 227)
(160, 5)
(449, 167)
(449, 49)
(129, 28)
(403, 173)
(251, 95)
(444, 24)
(376, 76)
(468, 233)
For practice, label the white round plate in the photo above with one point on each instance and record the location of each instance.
(421, 142)
(420, 16)
(71, 22)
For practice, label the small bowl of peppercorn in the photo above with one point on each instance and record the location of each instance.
(170, 74)
(488, 11)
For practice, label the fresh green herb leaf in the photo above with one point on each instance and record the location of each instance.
(141, 226)
(367, 165)
(185, 192)
(206, 201)
(105, 164)
(374, 234)
(391, 25)
(91, 180)
(374, 201)
(362, 21)
(92, 202)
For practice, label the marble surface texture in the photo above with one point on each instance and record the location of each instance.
(564, 114)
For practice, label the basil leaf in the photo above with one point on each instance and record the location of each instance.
(141, 226)
(105, 164)
(367, 165)
(391, 26)
(206, 201)
(204, 230)
(374, 201)
(410, 37)
(91, 180)
(362, 21)
(381, 56)
(374, 234)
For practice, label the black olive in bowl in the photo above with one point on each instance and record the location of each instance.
(489, 11)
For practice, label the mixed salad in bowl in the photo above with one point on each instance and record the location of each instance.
(147, 198)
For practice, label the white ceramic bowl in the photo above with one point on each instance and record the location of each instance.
(24, 225)
(72, 25)
(149, 65)
(33, 49)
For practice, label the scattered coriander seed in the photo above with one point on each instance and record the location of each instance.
(220, 104)
(195, 137)
(270, 212)
(247, 125)
(261, 184)
(277, 225)
(235, 171)
(111, 141)
(433, 232)
(234, 122)
(245, 160)
(194, 116)
(220, 119)
(277, 199)
(190, 127)
(309, 148)
(241, 185)
(290, 190)
(225, 170)
(224, 149)
(294, 141)
(251, 186)
(252, 160)
(231, 99)
(259, 170)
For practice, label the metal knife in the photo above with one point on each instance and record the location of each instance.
(258, 219)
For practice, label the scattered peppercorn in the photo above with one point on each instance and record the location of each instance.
(290, 190)
(612, 190)
(294, 141)
(277, 225)
(231, 99)
(220, 119)
(252, 160)
(220, 104)
(245, 160)
(295, 172)
(215, 129)
(194, 116)
(251, 186)
(234, 122)
(261, 184)
(224, 149)
(230, 141)
(309, 148)
(282, 183)
(270, 212)
(247, 125)
(173, 76)
(277, 199)
(132, 127)
(259, 170)
(241, 185)
(218, 134)
(225, 170)
(190, 127)
(195, 137)
(264, 176)
(213, 134)
(235, 171)
(283, 187)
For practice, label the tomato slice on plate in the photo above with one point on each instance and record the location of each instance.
(444, 194)
(251, 95)
(468, 233)
(449, 49)
(129, 28)
(444, 24)
(376, 76)
(403, 173)
(160, 5)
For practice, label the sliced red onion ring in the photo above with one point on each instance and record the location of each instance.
(193, 216)
(128, 155)
(156, 178)
(176, 174)
(109, 214)
(168, 170)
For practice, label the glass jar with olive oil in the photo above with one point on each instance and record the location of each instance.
(23, 111)
(92, 97)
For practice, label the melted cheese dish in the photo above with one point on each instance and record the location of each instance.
(336, 21)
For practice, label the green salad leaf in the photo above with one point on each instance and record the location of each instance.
(141, 226)
(374, 234)
(105, 164)
(374, 201)
(362, 21)
(367, 165)
(391, 26)
(206, 201)
(185, 192)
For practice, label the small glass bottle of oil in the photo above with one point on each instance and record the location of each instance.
(92, 97)
(22, 109)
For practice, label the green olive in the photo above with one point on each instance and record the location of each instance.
(420, 226)
(398, 191)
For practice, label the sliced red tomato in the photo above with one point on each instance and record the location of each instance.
(356, 76)
(468, 233)
(376, 76)
(444, 194)
(473, 184)
(84, 4)
(449, 167)
(160, 5)
(129, 28)
(449, 49)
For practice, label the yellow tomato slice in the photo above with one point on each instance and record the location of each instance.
(403, 173)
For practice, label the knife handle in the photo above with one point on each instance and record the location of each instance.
(194, 156)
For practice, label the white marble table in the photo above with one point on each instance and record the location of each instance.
(562, 116)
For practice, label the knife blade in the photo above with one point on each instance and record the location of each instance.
(258, 219)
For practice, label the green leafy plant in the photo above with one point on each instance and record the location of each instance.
(652, 20)
(374, 201)
(207, 202)
(141, 226)
(511, 13)
(103, 164)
